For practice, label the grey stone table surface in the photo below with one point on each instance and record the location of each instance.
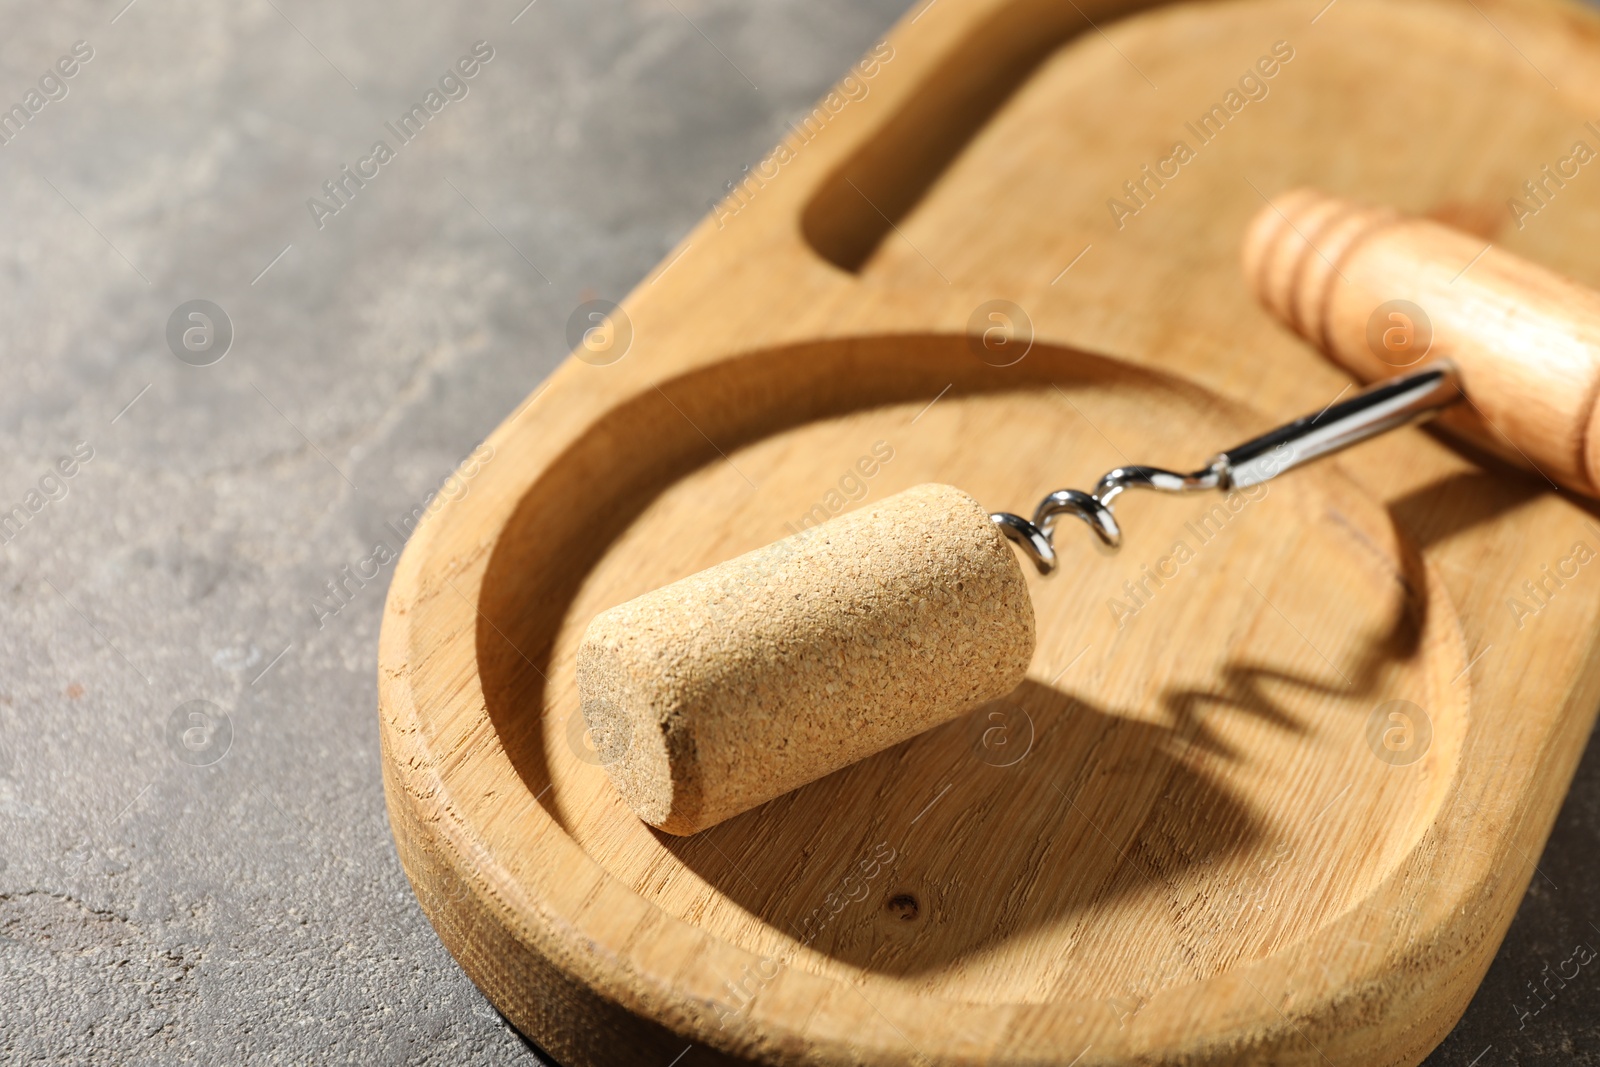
(214, 882)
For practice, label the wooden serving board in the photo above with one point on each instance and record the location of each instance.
(1276, 804)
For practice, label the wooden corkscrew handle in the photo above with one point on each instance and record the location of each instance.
(1381, 293)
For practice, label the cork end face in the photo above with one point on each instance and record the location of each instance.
(628, 728)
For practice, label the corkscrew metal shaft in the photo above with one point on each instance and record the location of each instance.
(1386, 406)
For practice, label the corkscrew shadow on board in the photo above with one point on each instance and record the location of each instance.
(1200, 855)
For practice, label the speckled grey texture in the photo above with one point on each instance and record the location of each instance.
(160, 905)
(163, 900)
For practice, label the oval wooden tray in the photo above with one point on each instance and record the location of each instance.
(1198, 833)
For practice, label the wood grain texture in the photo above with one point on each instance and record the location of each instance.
(1184, 839)
(1380, 292)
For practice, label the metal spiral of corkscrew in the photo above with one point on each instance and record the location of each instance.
(1386, 406)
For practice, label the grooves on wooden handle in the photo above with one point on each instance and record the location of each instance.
(1380, 292)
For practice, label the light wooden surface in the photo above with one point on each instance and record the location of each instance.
(1195, 834)
(1382, 293)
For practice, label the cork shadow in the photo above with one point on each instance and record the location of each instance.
(1102, 807)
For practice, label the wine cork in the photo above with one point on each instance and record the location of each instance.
(735, 685)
